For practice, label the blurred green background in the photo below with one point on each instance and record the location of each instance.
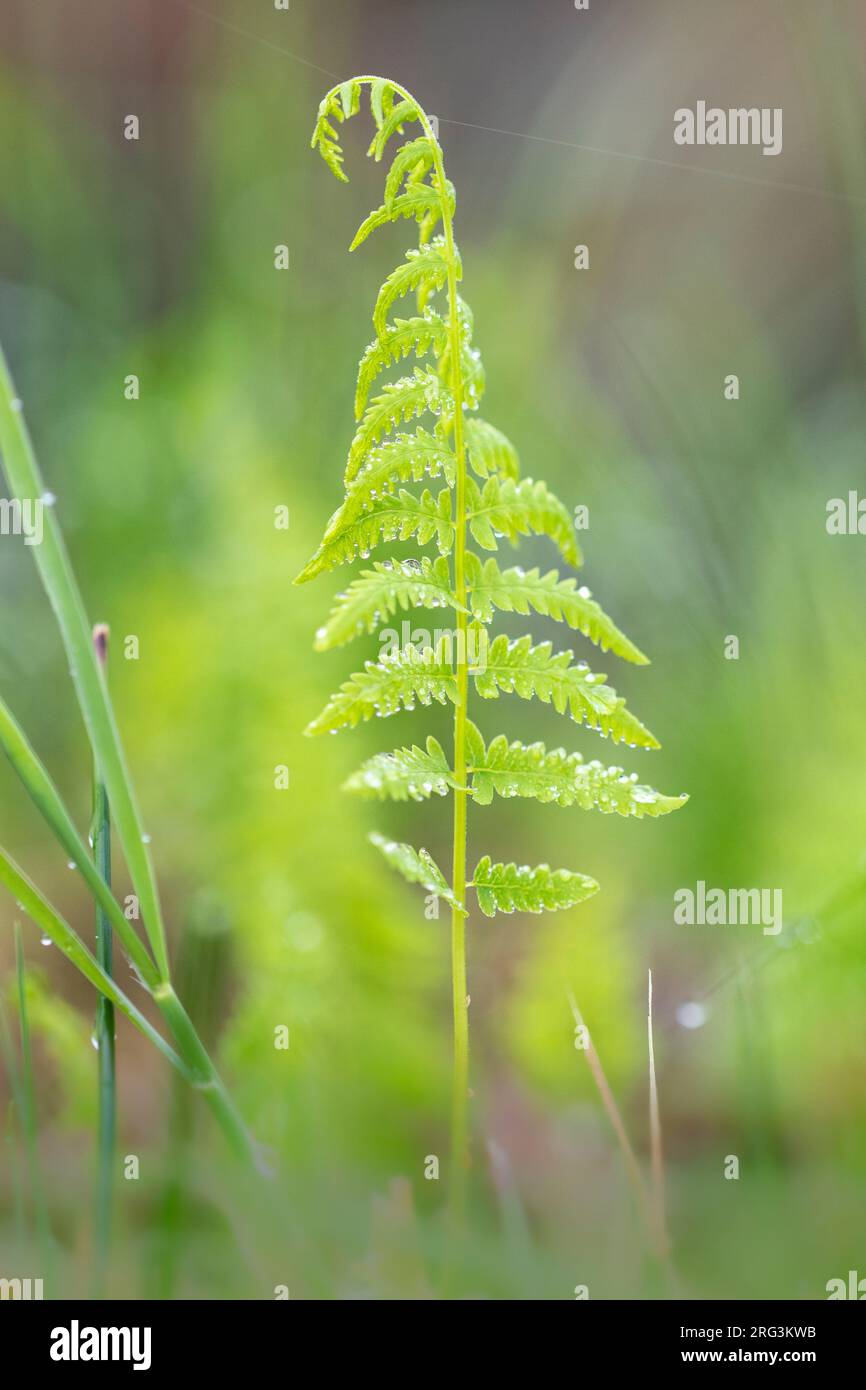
(707, 519)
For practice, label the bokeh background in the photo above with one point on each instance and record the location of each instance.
(707, 519)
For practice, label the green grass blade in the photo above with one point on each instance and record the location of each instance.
(193, 1063)
(100, 835)
(52, 925)
(47, 800)
(52, 561)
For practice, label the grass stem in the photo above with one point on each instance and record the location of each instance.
(26, 484)
(104, 1029)
(656, 1149)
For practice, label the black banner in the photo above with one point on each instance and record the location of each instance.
(74, 1339)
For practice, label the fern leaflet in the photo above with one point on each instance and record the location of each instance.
(390, 518)
(379, 592)
(505, 508)
(535, 672)
(489, 451)
(417, 866)
(418, 335)
(517, 888)
(384, 687)
(425, 270)
(519, 769)
(398, 403)
(406, 774)
(519, 591)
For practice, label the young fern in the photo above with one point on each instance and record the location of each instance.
(446, 383)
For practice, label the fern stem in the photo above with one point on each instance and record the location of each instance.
(459, 994)
(104, 1032)
(460, 997)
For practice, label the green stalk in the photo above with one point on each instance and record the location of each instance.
(52, 925)
(104, 1031)
(25, 481)
(197, 1065)
(460, 998)
(45, 796)
(52, 561)
(193, 1063)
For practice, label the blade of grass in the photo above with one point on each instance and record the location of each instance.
(193, 1063)
(47, 800)
(104, 1030)
(658, 1167)
(655, 1225)
(52, 561)
(52, 925)
(633, 1169)
(25, 480)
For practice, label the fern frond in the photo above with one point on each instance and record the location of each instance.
(417, 335)
(527, 671)
(421, 201)
(392, 124)
(416, 866)
(325, 137)
(411, 163)
(389, 519)
(518, 591)
(507, 508)
(490, 451)
(398, 403)
(385, 687)
(425, 269)
(408, 773)
(519, 769)
(513, 888)
(380, 591)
